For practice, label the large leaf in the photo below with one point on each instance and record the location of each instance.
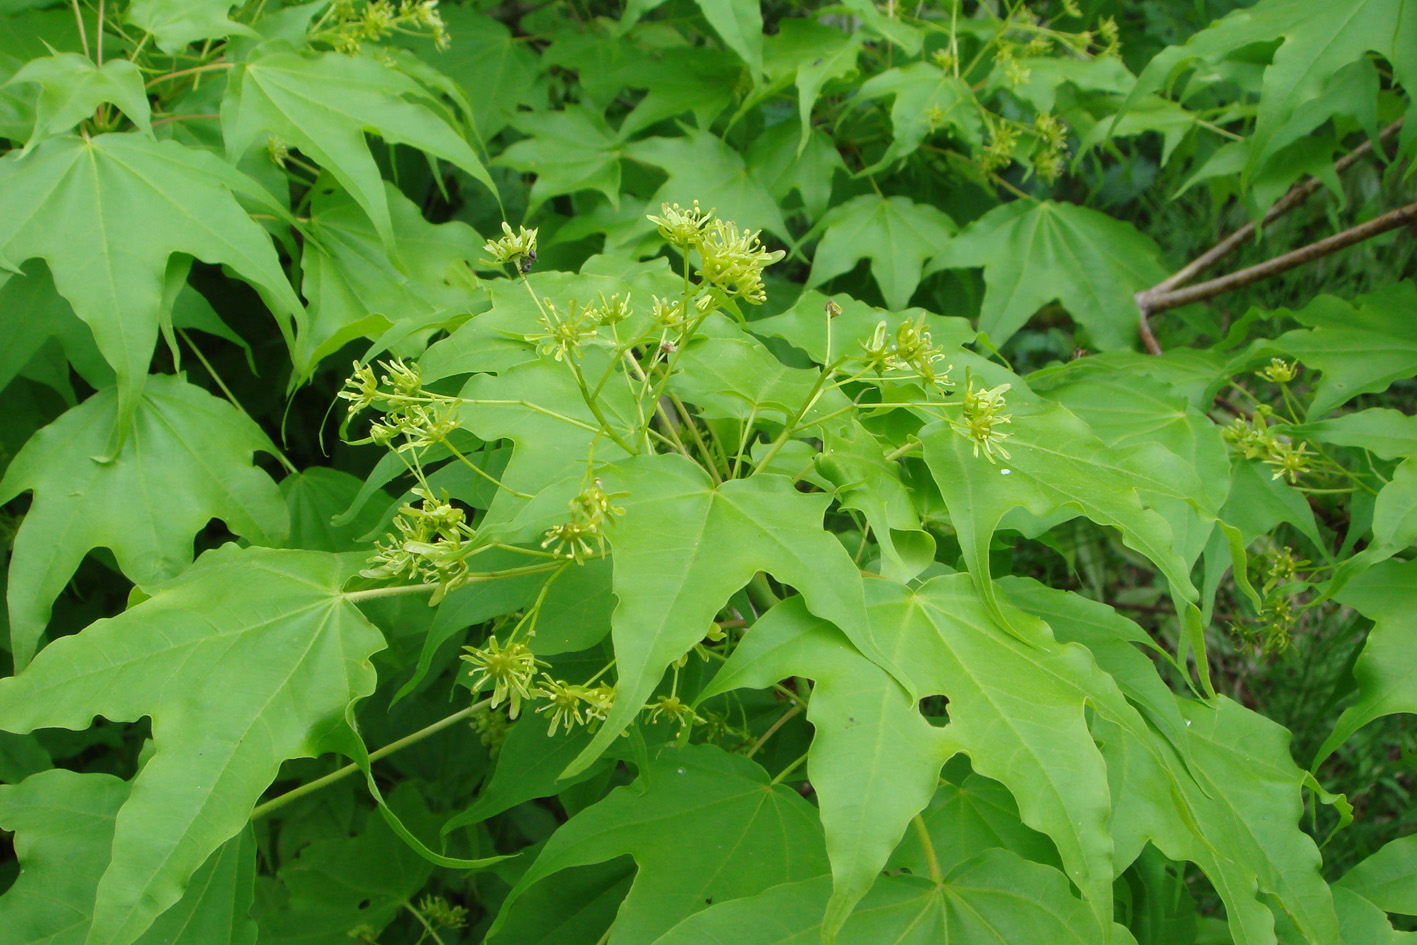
(1360, 347)
(895, 233)
(923, 98)
(1056, 464)
(568, 151)
(703, 167)
(63, 824)
(324, 104)
(684, 546)
(265, 673)
(1386, 671)
(1034, 253)
(998, 898)
(187, 461)
(107, 213)
(874, 762)
(734, 834)
(1388, 878)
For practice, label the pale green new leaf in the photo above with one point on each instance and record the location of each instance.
(734, 835)
(684, 546)
(897, 234)
(324, 104)
(106, 214)
(71, 86)
(1386, 671)
(187, 460)
(1035, 253)
(177, 23)
(874, 762)
(248, 658)
(63, 824)
(997, 899)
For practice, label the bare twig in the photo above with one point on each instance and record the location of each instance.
(1159, 297)
(1273, 267)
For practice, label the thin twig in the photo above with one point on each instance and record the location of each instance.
(83, 33)
(1273, 267)
(1296, 196)
(1147, 300)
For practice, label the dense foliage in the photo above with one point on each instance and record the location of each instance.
(778, 495)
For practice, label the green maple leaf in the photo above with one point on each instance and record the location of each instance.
(916, 89)
(811, 54)
(1386, 433)
(1386, 878)
(1056, 464)
(176, 24)
(965, 819)
(64, 823)
(1386, 671)
(998, 898)
(248, 658)
(1033, 253)
(1361, 347)
(806, 326)
(71, 87)
(895, 233)
(735, 834)
(324, 105)
(35, 320)
(568, 151)
(684, 546)
(106, 214)
(186, 461)
(703, 167)
(356, 288)
(782, 163)
(739, 23)
(874, 762)
(1319, 40)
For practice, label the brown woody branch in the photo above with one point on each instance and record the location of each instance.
(1167, 294)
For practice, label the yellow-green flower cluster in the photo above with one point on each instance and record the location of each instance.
(981, 417)
(908, 348)
(420, 417)
(517, 248)
(564, 335)
(569, 704)
(1253, 439)
(591, 511)
(508, 669)
(1279, 371)
(356, 24)
(431, 542)
(733, 261)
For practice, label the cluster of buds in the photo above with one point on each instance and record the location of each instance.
(668, 316)
(1052, 144)
(431, 543)
(998, 153)
(517, 249)
(679, 227)
(441, 914)
(591, 511)
(981, 417)
(356, 24)
(413, 417)
(570, 704)
(1279, 371)
(509, 670)
(564, 335)
(908, 348)
(1255, 440)
(733, 261)
(491, 727)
